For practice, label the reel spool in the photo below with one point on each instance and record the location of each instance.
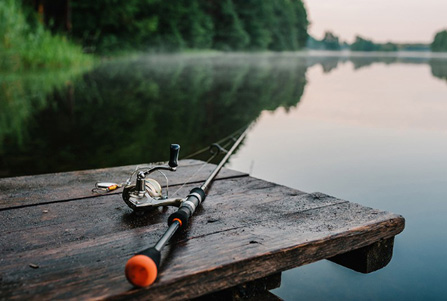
(146, 193)
(134, 197)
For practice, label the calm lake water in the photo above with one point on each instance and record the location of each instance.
(369, 129)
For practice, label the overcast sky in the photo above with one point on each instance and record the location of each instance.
(379, 20)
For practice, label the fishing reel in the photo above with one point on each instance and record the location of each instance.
(146, 193)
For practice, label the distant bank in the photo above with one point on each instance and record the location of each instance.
(332, 42)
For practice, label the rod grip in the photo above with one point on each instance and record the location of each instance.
(188, 207)
(142, 269)
(182, 215)
(173, 157)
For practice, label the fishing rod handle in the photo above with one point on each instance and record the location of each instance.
(173, 156)
(142, 269)
(188, 207)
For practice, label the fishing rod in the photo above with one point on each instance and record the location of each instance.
(142, 269)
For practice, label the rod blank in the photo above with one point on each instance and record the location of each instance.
(142, 269)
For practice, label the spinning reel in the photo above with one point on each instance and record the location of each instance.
(146, 193)
(142, 269)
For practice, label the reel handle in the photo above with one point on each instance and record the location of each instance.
(173, 158)
(142, 269)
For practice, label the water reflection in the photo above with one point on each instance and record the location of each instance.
(23, 96)
(376, 136)
(439, 68)
(438, 65)
(129, 111)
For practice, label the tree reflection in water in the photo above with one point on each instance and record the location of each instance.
(129, 111)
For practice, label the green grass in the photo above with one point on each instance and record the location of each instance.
(26, 48)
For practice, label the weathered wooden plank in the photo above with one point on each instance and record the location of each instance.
(367, 259)
(194, 267)
(59, 223)
(56, 187)
(246, 229)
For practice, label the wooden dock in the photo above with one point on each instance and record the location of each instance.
(58, 240)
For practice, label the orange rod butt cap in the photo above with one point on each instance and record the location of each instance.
(141, 270)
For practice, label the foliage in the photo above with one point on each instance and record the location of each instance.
(289, 25)
(23, 47)
(362, 44)
(313, 43)
(388, 47)
(256, 18)
(108, 25)
(113, 24)
(229, 33)
(330, 41)
(197, 28)
(440, 42)
(414, 47)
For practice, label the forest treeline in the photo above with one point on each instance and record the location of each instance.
(47, 33)
(331, 41)
(109, 25)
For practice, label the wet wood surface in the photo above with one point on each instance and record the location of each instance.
(57, 187)
(59, 240)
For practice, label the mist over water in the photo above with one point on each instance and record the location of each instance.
(369, 129)
(123, 112)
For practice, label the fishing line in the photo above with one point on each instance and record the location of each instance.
(142, 269)
(213, 155)
(215, 149)
(240, 130)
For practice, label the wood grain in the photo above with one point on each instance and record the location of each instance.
(246, 229)
(57, 187)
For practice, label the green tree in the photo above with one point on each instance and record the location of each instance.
(313, 43)
(282, 27)
(256, 17)
(301, 23)
(289, 28)
(440, 42)
(26, 44)
(388, 47)
(330, 41)
(197, 27)
(362, 44)
(168, 35)
(109, 25)
(229, 32)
